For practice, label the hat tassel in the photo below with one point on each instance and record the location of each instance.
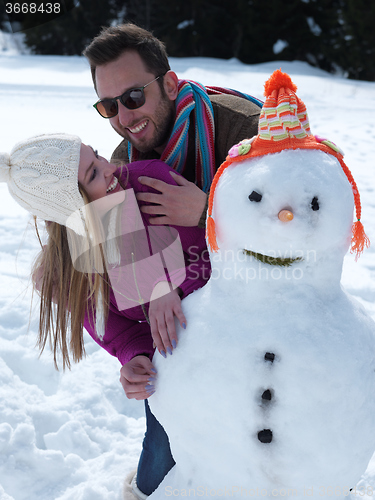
(360, 240)
(211, 234)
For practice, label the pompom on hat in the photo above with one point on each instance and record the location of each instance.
(284, 124)
(42, 175)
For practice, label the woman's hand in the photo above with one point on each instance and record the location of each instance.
(137, 377)
(164, 305)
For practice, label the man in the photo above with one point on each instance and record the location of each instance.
(159, 116)
(127, 57)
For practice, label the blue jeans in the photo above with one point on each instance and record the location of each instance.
(156, 459)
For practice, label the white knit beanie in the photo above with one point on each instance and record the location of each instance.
(42, 175)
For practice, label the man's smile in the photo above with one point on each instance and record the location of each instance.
(138, 128)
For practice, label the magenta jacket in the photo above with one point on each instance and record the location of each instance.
(127, 333)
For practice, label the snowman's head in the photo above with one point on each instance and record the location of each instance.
(284, 192)
(290, 205)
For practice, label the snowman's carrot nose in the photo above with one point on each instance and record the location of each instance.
(285, 215)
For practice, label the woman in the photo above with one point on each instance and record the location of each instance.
(97, 237)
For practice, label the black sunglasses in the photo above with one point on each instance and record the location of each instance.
(131, 99)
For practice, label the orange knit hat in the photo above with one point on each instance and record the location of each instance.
(284, 124)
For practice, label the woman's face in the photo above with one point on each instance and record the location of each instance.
(95, 174)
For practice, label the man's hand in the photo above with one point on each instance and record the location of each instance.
(180, 205)
(164, 306)
(137, 377)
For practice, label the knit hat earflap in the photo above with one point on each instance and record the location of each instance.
(284, 124)
(42, 175)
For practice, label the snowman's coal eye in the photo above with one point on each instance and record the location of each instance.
(254, 196)
(315, 204)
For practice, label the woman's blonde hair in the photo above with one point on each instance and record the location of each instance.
(68, 294)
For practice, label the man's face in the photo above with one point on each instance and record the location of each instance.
(149, 126)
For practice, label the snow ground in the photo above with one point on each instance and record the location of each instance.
(74, 435)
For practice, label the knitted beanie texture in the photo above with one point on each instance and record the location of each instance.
(42, 175)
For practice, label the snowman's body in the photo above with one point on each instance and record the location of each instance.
(270, 391)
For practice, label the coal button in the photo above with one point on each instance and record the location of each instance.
(269, 356)
(267, 395)
(265, 436)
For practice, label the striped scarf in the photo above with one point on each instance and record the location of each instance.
(194, 96)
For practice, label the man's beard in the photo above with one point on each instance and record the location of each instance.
(163, 125)
(164, 121)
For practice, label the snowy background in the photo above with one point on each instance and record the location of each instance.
(74, 435)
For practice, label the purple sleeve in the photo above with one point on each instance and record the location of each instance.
(193, 241)
(198, 270)
(124, 338)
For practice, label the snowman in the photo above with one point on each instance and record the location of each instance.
(270, 392)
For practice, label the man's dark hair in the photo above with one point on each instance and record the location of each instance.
(113, 41)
